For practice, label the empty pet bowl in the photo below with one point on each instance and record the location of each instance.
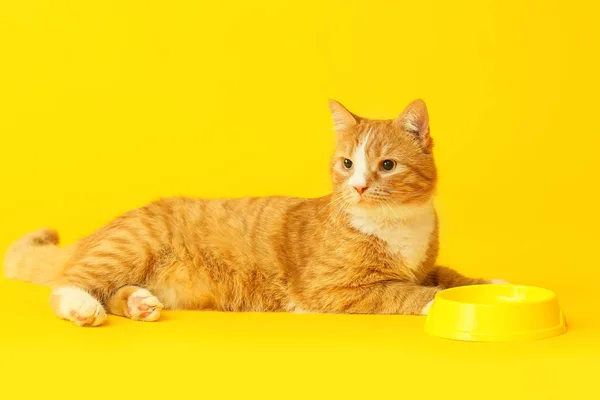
(495, 313)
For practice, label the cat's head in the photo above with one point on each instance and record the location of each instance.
(383, 163)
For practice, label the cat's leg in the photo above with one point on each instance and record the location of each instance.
(121, 254)
(136, 303)
(446, 278)
(79, 293)
(389, 297)
(90, 279)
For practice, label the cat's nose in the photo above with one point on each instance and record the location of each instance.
(360, 189)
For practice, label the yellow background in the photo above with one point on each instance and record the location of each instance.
(106, 105)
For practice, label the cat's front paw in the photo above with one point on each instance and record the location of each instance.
(425, 309)
(498, 282)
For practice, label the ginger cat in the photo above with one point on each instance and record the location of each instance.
(368, 247)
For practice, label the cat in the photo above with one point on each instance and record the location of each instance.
(368, 247)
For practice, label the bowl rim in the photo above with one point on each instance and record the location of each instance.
(552, 296)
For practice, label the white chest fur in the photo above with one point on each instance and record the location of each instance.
(407, 231)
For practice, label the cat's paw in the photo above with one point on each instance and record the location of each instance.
(79, 306)
(143, 306)
(498, 282)
(425, 309)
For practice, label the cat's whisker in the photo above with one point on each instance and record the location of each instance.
(377, 196)
(339, 206)
(335, 205)
(395, 202)
(328, 220)
(331, 202)
(392, 210)
(405, 192)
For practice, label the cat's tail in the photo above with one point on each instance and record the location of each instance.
(36, 258)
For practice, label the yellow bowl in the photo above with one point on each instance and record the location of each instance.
(495, 313)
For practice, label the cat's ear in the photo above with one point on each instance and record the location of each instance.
(342, 118)
(415, 120)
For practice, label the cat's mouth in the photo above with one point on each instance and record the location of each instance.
(369, 202)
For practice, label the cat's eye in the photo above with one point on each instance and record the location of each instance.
(347, 163)
(388, 165)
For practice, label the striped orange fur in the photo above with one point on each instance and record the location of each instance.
(368, 247)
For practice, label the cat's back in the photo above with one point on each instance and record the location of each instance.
(235, 221)
(224, 210)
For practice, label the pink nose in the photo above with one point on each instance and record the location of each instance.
(360, 189)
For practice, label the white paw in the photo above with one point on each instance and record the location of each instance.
(79, 306)
(143, 306)
(499, 282)
(425, 309)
